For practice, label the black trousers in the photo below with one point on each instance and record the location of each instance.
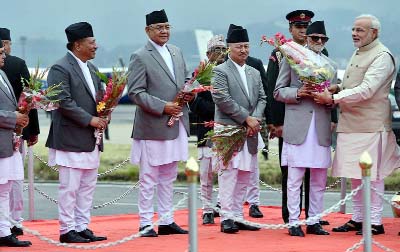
(284, 178)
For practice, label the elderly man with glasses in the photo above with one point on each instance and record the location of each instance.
(306, 132)
(299, 20)
(203, 107)
(365, 120)
(157, 74)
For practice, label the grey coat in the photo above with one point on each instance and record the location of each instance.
(8, 118)
(298, 112)
(150, 87)
(70, 128)
(232, 104)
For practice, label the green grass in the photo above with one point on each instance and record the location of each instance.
(116, 153)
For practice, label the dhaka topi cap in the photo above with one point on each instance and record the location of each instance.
(78, 31)
(317, 27)
(156, 17)
(217, 40)
(300, 17)
(232, 27)
(5, 34)
(237, 36)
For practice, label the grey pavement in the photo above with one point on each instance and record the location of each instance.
(105, 192)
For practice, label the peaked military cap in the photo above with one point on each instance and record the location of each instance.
(300, 17)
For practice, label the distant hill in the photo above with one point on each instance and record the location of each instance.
(340, 45)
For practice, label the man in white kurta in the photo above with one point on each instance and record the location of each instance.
(156, 74)
(240, 100)
(306, 135)
(71, 141)
(365, 120)
(11, 167)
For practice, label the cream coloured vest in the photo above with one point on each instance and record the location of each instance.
(371, 115)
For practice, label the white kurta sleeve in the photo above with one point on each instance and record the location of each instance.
(374, 77)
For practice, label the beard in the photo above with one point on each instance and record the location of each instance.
(316, 48)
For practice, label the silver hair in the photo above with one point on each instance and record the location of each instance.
(375, 23)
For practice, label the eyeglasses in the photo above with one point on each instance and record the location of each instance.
(160, 28)
(317, 38)
(218, 49)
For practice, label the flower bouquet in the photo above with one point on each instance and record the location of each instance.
(308, 65)
(227, 140)
(108, 99)
(33, 96)
(200, 82)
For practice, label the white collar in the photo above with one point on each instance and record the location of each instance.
(239, 67)
(157, 46)
(80, 62)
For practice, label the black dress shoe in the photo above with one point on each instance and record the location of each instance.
(208, 218)
(12, 241)
(296, 231)
(216, 214)
(17, 231)
(316, 229)
(375, 230)
(324, 222)
(348, 226)
(150, 233)
(172, 228)
(73, 237)
(255, 212)
(228, 226)
(243, 226)
(88, 234)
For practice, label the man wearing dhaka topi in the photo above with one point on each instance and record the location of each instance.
(240, 100)
(157, 73)
(71, 141)
(365, 120)
(306, 134)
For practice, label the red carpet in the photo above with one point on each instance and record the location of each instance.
(210, 238)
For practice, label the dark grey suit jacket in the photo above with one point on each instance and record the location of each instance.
(70, 128)
(298, 112)
(8, 118)
(232, 104)
(150, 87)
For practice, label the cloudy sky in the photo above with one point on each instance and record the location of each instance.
(122, 21)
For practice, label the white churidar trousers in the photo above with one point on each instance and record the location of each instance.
(317, 189)
(232, 184)
(162, 178)
(253, 190)
(376, 202)
(206, 178)
(75, 197)
(5, 209)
